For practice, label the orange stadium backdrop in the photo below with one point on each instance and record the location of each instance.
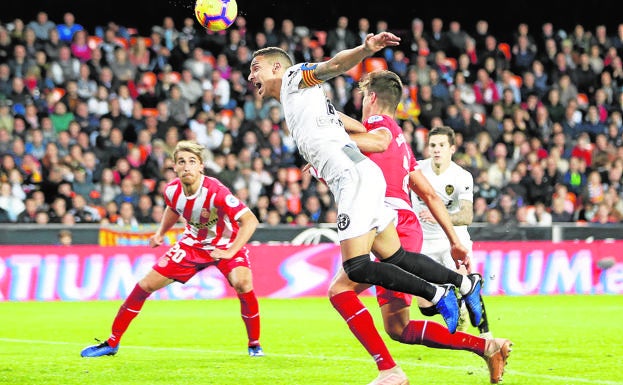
(79, 273)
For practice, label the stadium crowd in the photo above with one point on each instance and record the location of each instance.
(89, 118)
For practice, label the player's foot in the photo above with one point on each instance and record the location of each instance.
(102, 349)
(497, 351)
(393, 376)
(448, 307)
(256, 351)
(464, 321)
(472, 299)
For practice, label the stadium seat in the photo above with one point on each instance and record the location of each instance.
(148, 41)
(583, 101)
(225, 116)
(150, 112)
(451, 62)
(480, 118)
(372, 64)
(293, 175)
(506, 50)
(321, 36)
(149, 79)
(356, 72)
(55, 95)
(173, 77)
(94, 41)
(517, 81)
(209, 58)
(123, 42)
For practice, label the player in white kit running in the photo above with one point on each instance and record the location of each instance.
(364, 222)
(455, 186)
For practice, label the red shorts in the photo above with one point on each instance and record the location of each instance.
(182, 262)
(411, 238)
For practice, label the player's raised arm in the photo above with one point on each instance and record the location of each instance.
(348, 58)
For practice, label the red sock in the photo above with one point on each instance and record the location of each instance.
(250, 312)
(435, 335)
(362, 326)
(130, 309)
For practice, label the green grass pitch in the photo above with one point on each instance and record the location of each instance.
(558, 340)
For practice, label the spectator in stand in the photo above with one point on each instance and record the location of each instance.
(68, 28)
(82, 212)
(79, 47)
(28, 215)
(485, 90)
(144, 210)
(42, 26)
(603, 215)
(126, 216)
(42, 218)
(340, 37)
(58, 208)
(538, 189)
(122, 68)
(558, 211)
(538, 215)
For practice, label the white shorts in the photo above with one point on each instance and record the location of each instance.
(360, 197)
(439, 250)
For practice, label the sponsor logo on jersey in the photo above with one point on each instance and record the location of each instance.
(343, 221)
(449, 189)
(206, 225)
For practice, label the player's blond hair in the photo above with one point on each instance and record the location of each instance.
(189, 146)
(275, 54)
(386, 85)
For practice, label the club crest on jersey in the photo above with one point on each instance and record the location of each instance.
(343, 221)
(449, 189)
(375, 118)
(205, 213)
(232, 201)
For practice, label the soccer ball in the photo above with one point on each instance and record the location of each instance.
(216, 15)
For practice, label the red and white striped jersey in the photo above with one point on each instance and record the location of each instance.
(211, 213)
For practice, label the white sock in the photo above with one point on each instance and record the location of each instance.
(439, 295)
(466, 285)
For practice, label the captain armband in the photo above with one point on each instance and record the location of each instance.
(309, 74)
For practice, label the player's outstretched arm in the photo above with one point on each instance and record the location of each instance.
(348, 58)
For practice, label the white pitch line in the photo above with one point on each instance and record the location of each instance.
(322, 358)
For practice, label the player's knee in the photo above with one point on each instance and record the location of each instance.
(429, 311)
(242, 285)
(357, 268)
(394, 331)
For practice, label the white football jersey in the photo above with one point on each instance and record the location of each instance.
(315, 126)
(452, 185)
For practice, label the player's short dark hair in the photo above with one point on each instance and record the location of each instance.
(386, 85)
(275, 53)
(443, 130)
